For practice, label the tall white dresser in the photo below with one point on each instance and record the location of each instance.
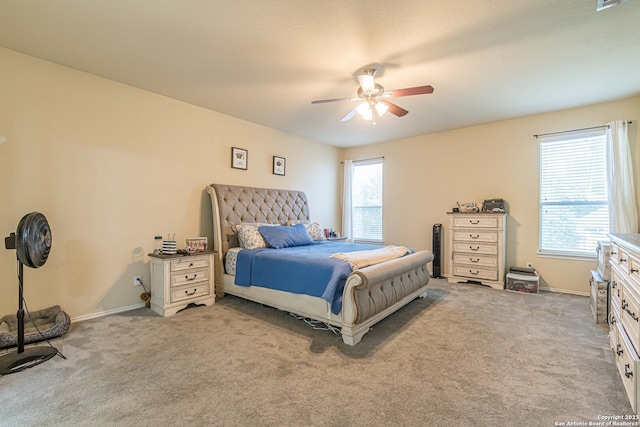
(476, 249)
(624, 322)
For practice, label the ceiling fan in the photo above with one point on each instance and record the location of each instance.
(373, 97)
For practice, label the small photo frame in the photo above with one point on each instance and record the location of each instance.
(279, 164)
(196, 244)
(239, 157)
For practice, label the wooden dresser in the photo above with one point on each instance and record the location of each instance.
(624, 325)
(476, 249)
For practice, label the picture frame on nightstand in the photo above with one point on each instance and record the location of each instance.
(196, 244)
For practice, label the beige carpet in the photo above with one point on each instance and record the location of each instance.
(466, 355)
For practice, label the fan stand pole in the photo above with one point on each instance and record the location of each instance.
(24, 358)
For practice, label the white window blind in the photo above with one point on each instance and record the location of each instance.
(366, 193)
(574, 212)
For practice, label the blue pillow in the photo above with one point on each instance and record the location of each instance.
(279, 236)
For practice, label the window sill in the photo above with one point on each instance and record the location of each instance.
(570, 257)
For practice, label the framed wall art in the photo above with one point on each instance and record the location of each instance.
(239, 158)
(279, 164)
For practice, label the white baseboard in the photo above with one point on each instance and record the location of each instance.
(106, 313)
(564, 291)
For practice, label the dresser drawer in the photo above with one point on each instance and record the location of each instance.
(189, 292)
(188, 262)
(189, 276)
(629, 312)
(475, 236)
(614, 320)
(627, 362)
(613, 254)
(484, 260)
(476, 221)
(477, 248)
(616, 287)
(476, 273)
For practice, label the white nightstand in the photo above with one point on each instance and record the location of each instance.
(180, 280)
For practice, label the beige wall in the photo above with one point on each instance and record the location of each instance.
(426, 175)
(111, 166)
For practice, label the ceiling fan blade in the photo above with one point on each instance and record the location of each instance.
(394, 109)
(419, 90)
(322, 101)
(349, 115)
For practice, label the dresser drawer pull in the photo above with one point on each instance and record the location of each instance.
(614, 284)
(474, 222)
(191, 278)
(631, 271)
(627, 372)
(632, 314)
(623, 260)
(613, 253)
(476, 236)
(613, 319)
(619, 350)
(624, 305)
(474, 260)
(475, 273)
(474, 248)
(190, 293)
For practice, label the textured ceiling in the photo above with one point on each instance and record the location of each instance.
(265, 61)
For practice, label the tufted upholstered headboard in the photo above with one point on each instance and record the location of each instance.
(232, 204)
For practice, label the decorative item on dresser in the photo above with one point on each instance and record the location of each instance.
(624, 326)
(477, 248)
(177, 281)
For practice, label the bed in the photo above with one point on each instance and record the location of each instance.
(367, 295)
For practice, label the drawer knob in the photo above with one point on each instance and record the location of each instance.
(619, 350)
(190, 264)
(627, 371)
(190, 293)
(623, 260)
(191, 278)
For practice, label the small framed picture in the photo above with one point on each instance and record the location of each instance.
(239, 158)
(196, 244)
(279, 165)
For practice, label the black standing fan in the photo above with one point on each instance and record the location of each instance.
(32, 242)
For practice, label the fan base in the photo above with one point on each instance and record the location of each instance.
(32, 356)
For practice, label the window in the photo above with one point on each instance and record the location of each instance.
(366, 196)
(574, 212)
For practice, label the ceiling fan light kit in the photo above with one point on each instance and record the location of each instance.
(373, 97)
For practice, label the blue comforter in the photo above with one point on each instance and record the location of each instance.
(301, 270)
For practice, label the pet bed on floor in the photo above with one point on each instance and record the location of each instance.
(51, 322)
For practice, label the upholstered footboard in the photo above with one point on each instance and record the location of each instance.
(374, 292)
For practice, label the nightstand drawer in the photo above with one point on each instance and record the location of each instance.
(473, 259)
(189, 276)
(475, 236)
(189, 292)
(475, 273)
(188, 262)
(478, 221)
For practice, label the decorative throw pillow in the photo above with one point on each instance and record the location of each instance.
(249, 236)
(315, 231)
(284, 237)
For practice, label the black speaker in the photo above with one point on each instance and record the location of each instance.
(437, 251)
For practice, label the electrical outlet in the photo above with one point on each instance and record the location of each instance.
(136, 281)
(530, 264)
